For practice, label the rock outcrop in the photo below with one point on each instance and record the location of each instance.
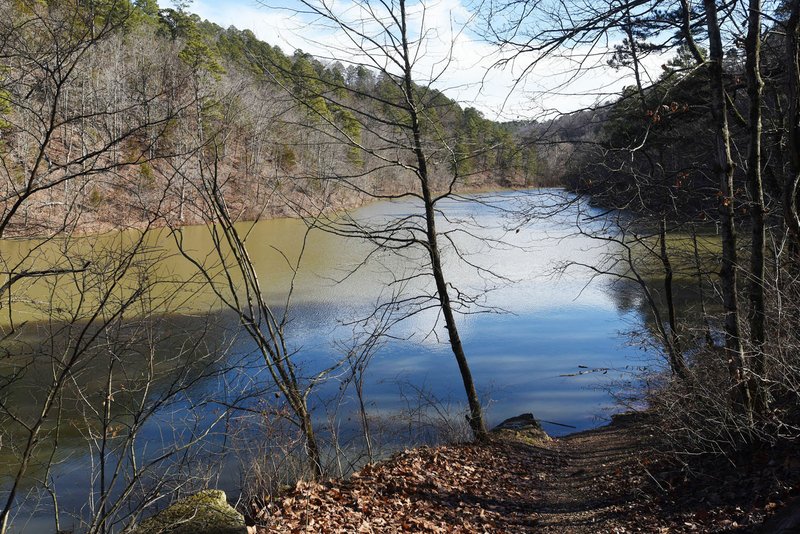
(523, 427)
(206, 512)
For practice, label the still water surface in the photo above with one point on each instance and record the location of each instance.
(530, 329)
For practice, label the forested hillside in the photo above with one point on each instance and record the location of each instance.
(649, 149)
(108, 109)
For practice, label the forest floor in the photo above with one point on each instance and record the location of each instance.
(612, 479)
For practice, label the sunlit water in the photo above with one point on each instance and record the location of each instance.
(526, 332)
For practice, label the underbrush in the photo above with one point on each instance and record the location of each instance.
(702, 415)
(719, 461)
(270, 451)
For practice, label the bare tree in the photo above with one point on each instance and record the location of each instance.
(724, 169)
(239, 288)
(791, 187)
(757, 284)
(79, 127)
(397, 134)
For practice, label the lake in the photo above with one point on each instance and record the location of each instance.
(530, 330)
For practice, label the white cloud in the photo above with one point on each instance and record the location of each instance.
(459, 64)
(269, 25)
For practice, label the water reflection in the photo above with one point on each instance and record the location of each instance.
(550, 325)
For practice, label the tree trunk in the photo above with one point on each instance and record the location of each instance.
(312, 448)
(677, 362)
(700, 291)
(757, 267)
(475, 411)
(724, 168)
(790, 188)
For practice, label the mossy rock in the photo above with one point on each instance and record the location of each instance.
(206, 512)
(523, 428)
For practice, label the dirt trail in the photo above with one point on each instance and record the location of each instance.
(593, 483)
(521, 481)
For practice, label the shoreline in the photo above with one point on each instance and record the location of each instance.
(614, 478)
(95, 228)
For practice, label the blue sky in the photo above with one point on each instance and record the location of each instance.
(468, 78)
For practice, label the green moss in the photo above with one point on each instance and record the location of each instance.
(529, 437)
(524, 428)
(206, 512)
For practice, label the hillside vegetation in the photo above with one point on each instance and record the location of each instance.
(108, 109)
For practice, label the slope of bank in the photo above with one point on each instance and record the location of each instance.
(611, 479)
